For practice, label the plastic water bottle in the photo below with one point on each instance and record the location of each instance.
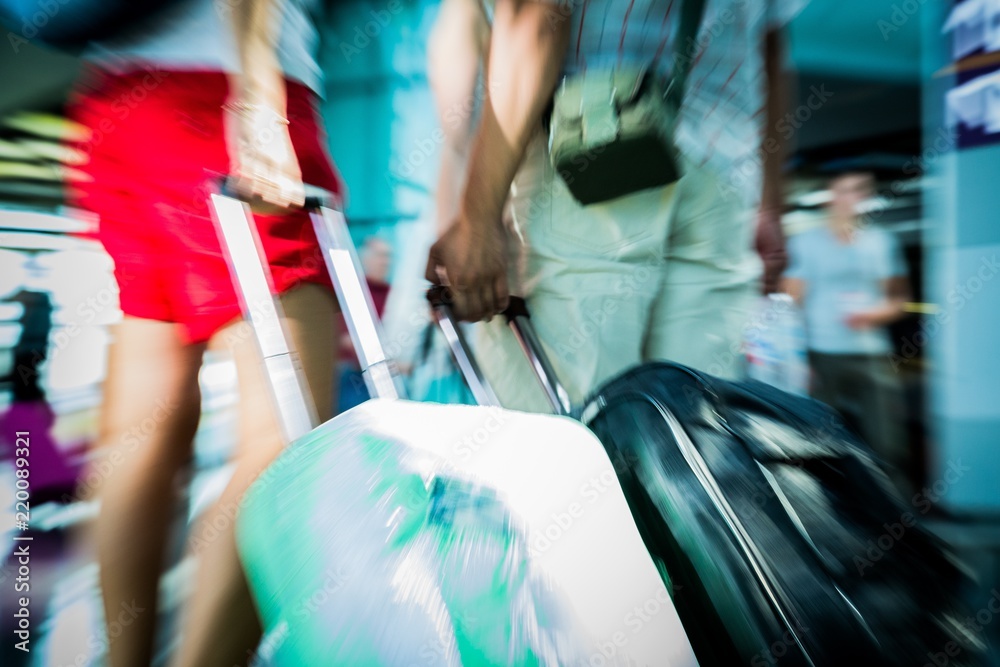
(798, 357)
(777, 350)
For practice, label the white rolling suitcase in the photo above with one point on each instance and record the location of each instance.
(404, 533)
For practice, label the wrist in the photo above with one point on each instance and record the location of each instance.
(479, 214)
(491, 166)
(891, 312)
(882, 315)
(257, 112)
(481, 201)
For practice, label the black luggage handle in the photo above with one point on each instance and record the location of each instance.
(519, 320)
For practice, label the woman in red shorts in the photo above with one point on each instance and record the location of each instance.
(169, 110)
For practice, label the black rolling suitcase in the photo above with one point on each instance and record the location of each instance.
(773, 522)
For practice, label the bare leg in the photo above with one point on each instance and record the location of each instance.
(149, 417)
(222, 626)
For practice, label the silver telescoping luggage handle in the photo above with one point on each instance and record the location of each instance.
(519, 321)
(252, 280)
(461, 351)
(356, 304)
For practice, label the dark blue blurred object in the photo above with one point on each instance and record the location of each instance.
(72, 24)
(32, 346)
(785, 537)
(352, 391)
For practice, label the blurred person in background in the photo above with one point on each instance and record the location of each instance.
(376, 260)
(211, 88)
(664, 273)
(851, 281)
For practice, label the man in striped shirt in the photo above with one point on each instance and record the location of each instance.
(664, 273)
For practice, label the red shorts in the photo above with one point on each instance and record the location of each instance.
(156, 152)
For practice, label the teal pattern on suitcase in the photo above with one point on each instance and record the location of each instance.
(360, 550)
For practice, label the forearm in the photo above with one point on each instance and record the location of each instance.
(893, 308)
(526, 54)
(770, 238)
(449, 186)
(262, 157)
(454, 60)
(775, 145)
(256, 25)
(890, 311)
